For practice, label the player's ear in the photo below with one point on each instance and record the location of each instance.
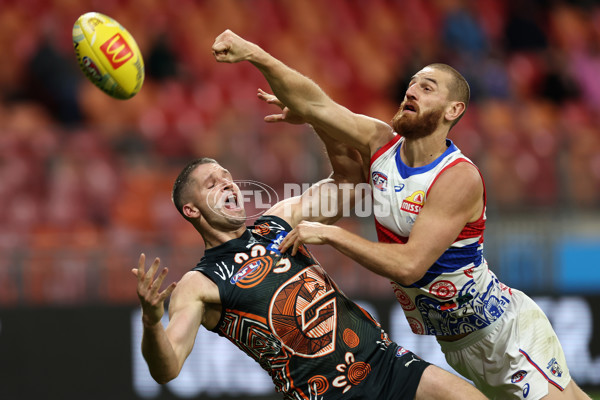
(455, 110)
(191, 211)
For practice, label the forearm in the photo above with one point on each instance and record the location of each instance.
(298, 92)
(397, 262)
(159, 354)
(305, 98)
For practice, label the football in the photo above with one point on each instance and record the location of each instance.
(108, 55)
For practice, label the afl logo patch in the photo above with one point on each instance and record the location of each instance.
(252, 273)
(518, 376)
(379, 180)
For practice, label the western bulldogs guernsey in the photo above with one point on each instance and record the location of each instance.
(289, 316)
(458, 294)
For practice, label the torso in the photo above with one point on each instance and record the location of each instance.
(288, 315)
(458, 294)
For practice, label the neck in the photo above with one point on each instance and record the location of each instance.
(423, 151)
(213, 237)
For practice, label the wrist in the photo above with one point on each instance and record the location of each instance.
(329, 233)
(150, 322)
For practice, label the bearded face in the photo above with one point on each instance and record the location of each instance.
(411, 123)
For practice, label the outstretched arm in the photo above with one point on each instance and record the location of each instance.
(305, 97)
(438, 225)
(329, 199)
(165, 350)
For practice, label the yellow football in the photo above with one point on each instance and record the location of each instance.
(108, 55)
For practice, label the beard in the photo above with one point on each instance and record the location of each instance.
(415, 126)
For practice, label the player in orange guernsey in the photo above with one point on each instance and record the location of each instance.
(280, 309)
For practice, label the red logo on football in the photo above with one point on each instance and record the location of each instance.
(116, 50)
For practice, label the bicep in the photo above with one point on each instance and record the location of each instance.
(365, 133)
(451, 203)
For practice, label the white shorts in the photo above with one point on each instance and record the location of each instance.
(515, 357)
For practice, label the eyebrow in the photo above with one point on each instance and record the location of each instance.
(213, 174)
(426, 78)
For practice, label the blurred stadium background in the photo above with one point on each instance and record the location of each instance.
(85, 179)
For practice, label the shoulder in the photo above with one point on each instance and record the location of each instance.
(194, 285)
(382, 135)
(462, 175)
(461, 181)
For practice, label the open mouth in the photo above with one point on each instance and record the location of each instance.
(231, 202)
(409, 107)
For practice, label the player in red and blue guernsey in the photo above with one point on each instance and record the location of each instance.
(429, 206)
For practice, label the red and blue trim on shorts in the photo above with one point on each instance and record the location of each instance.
(541, 371)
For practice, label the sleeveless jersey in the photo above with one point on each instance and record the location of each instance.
(288, 315)
(458, 293)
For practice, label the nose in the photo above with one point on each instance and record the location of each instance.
(411, 92)
(226, 184)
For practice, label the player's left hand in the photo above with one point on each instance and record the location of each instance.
(305, 233)
(286, 115)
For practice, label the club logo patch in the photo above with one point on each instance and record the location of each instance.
(401, 351)
(554, 368)
(303, 313)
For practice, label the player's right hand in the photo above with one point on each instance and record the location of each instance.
(231, 48)
(151, 299)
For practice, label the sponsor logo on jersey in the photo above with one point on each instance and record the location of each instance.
(414, 202)
(274, 246)
(116, 50)
(554, 368)
(398, 188)
(526, 390)
(379, 180)
(518, 376)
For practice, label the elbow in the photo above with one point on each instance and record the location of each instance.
(410, 274)
(164, 377)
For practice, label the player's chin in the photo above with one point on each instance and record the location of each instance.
(234, 213)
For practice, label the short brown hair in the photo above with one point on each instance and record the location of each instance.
(182, 182)
(458, 88)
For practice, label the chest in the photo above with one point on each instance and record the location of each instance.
(398, 200)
